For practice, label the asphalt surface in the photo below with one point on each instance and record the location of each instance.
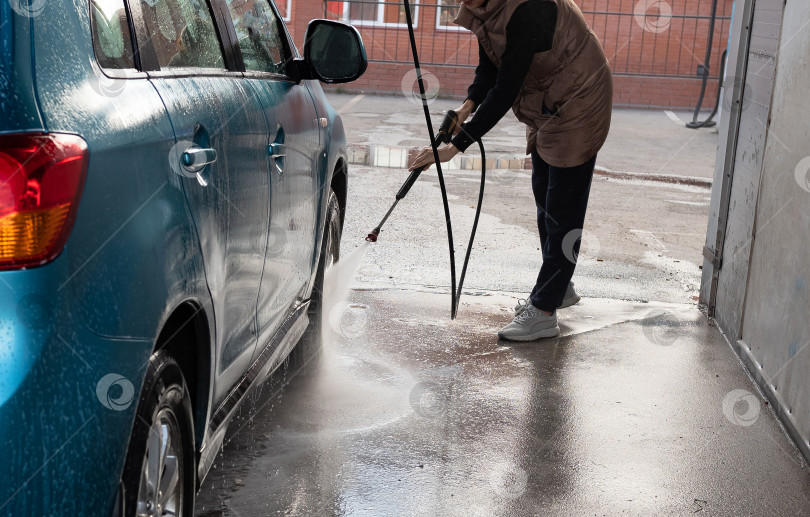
(641, 242)
(640, 407)
(641, 141)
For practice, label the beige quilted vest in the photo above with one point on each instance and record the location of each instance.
(572, 80)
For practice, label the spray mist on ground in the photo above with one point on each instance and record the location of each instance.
(346, 393)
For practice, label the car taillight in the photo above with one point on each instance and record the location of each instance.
(41, 180)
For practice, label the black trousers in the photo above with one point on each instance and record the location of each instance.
(561, 195)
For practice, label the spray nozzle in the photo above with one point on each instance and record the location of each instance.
(372, 237)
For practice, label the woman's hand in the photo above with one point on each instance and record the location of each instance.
(463, 113)
(425, 156)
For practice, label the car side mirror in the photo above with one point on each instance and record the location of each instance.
(333, 53)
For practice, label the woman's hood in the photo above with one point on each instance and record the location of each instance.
(486, 11)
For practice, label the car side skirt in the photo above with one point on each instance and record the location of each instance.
(270, 358)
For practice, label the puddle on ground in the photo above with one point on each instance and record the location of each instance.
(347, 392)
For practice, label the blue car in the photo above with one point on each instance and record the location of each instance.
(172, 190)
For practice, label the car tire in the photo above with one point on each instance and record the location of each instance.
(161, 449)
(312, 341)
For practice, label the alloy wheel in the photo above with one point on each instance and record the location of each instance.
(161, 486)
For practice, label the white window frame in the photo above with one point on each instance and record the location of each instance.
(380, 16)
(288, 10)
(439, 25)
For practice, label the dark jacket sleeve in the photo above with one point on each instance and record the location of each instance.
(530, 30)
(486, 73)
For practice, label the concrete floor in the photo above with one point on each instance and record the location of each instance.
(637, 409)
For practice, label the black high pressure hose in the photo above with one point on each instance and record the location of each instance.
(455, 294)
(475, 220)
(709, 122)
(705, 76)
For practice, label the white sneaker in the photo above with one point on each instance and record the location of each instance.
(529, 325)
(571, 298)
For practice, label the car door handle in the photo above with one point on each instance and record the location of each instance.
(277, 150)
(195, 158)
(193, 161)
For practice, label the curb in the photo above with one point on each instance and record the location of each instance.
(673, 179)
(400, 157)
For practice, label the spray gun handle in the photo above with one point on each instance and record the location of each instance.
(403, 191)
(444, 136)
(447, 128)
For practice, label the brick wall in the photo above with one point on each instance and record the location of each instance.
(654, 56)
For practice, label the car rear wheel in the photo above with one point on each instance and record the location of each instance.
(312, 341)
(159, 473)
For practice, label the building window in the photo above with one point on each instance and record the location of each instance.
(372, 12)
(445, 14)
(283, 7)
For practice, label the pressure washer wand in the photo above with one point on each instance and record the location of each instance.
(444, 136)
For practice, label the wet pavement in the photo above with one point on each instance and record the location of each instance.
(640, 407)
(636, 409)
(641, 241)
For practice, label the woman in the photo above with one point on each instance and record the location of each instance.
(540, 58)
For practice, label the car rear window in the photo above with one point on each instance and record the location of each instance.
(183, 33)
(112, 41)
(260, 35)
